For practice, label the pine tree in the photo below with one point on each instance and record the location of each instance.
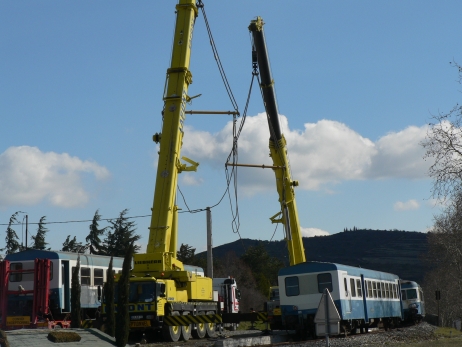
(39, 238)
(75, 296)
(109, 300)
(186, 254)
(72, 245)
(121, 234)
(11, 239)
(94, 237)
(122, 316)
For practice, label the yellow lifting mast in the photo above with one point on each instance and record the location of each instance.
(278, 149)
(164, 294)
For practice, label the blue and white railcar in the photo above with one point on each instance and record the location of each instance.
(413, 301)
(92, 276)
(363, 297)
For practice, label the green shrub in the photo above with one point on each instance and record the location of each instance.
(63, 336)
(3, 339)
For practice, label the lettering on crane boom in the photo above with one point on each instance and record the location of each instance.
(148, 262)
(186, 320)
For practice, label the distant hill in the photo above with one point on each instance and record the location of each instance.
(397, 252)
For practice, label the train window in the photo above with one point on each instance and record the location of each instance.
(382, 285)
(369, 289)
(358, 287)
(352, 286)
(411, 294)
(85, 276)
(346, 286)
(325, 281)
(292, 287)
(16, 277)
(98, 277)
(379, 289)
(374, 289)
(395, 291)
(403, 294)
(421, 295)
(387, 290)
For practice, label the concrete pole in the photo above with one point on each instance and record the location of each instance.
(209, 243)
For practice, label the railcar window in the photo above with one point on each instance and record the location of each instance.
(421, 295)
(325, 281)
(346, 286)
(379, 289)
(98, 277)
(387, 290)
(292, 287)
(352, 286)
(395, 291)
(403, 294)
(411, 294)
(369, 289)
(374, 289)
(382, 285)
(85, 276)
(358, 286)
(16, 277)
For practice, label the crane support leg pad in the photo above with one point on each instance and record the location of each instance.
(189, 319)
(247, 340)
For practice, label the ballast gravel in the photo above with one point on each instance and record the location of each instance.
(399, 336)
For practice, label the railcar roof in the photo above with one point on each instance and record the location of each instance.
(314, 266)
(405, 284)
(85, 259)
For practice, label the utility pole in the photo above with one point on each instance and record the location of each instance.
(209, 243)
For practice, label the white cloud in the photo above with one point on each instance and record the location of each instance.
(400, 155)
(29, 176)
(322, 154)
(406, 206)
(191, 180)
(310, 232)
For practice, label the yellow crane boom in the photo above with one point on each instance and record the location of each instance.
(278, 149)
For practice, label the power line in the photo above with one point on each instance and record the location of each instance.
(80, 221)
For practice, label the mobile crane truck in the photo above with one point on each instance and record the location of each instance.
(163, 295)
(288, 215)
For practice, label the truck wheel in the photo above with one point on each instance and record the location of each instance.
(210, 327)
(171, 333)
(200, 331)
(186, 330)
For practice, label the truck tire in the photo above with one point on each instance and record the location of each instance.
(210, 327)
(201, 330)
(186, 330)
(171, 333)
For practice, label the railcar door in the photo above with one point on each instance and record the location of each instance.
(65, 287)
(347, 295)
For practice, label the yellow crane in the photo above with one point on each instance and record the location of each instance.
(164, 295)
(288, 215)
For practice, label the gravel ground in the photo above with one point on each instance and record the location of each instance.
(403, 336)
(416, 333)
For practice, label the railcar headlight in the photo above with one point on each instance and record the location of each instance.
(136, 317)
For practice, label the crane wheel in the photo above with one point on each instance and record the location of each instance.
(186, 330)
(210, 327)
(201, 330)
(171, 333)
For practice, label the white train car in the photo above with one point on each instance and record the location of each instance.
(363, 297)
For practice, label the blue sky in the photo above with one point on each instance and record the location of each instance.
(357, 82)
